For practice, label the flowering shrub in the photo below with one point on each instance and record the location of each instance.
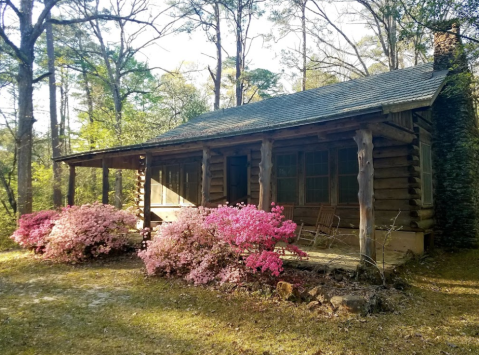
(220, 244)
(255, 233)
(33, 228)
(188, 248)
(88, 231)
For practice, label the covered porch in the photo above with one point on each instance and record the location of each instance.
(374, 156)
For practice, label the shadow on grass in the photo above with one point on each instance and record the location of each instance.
(111, 308)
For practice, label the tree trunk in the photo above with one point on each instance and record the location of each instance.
(265, 167)
(25, 136)
(303, 29)
(118, 189)
(56, 151)
(367, 239)
(206, 177)
(219, 59)
(239, 55)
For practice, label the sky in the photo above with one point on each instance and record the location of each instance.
(185, 49)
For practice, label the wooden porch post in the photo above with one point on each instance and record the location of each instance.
(105, 182)
(367, 238)
(265, 167)
(206, 177)
(71, 186)
(147, 200)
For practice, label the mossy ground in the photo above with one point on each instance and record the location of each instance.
(110, 307)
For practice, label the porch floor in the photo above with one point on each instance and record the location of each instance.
(344, 256)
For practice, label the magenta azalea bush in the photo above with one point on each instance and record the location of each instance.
(87, 231)
(189, 248)
(76, 233)
(221, 244)
(33, 228)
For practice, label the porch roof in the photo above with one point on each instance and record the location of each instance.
(394, 91)
(387, 92)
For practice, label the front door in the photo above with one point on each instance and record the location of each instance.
(237, 179)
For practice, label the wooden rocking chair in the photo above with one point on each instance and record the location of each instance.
(288, 212)
(323, 227)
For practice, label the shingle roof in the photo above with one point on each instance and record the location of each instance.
(335, 101)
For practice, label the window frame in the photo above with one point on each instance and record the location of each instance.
(163, 168)
(338, 176)
(296, 177)
(421, 163)
(305, 177)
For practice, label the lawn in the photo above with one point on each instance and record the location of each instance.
(112, 308)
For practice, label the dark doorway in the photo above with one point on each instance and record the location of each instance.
(237, 179)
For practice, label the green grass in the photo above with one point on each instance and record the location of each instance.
(111, 308)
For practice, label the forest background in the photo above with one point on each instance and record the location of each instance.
(110, 73)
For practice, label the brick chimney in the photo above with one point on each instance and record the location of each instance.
(448, 48)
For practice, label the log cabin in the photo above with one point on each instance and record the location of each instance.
(364, 145)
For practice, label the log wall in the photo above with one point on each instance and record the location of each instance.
(397, 177)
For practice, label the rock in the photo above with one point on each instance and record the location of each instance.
(400, 284)
(350, 303)
(338, 277)
(287, 291)
(313, 305)
(379, 304)
(320, 294)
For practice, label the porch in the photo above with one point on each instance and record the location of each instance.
(373, 156)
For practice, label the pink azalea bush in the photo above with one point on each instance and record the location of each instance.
(189, 248)
(87, 231)
(33, 228)
(255, 233)
(222, 244)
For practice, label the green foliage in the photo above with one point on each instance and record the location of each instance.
(456, 164)
(315, 77)
(7, 227)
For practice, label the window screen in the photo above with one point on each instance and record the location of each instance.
(426, 174)
(172, 183)
(190, 183)
(156, 186)
(348, 175)
(286, 178)
(317, 177)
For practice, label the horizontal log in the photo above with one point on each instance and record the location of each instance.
(403, 171)
(217, 174)
(217, 159)
(385, 222)
(391, 152)
(216, 167)
(217, 181)
(216, 188)
(391, 162)
(423, 214)
(393, 194)
(394, 205)
(387, 131)
(392, 183)
(424, 224)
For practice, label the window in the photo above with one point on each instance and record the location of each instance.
(156, 186)
(172, 184)
(286, 178)
(190, 183)
(426, 174)
(348, 176)
(317, 177)
(169, 188)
